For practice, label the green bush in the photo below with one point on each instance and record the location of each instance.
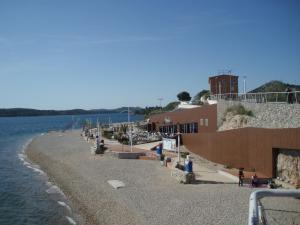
(227, 166)
(239, 110)
(107, 134)
(184, 154)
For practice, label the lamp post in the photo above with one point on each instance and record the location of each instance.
(160, 99)
(245, 85)
(130, 134)
(178, 147)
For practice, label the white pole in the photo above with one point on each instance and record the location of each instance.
(178, 147)
(130, 134)
(245, 85)
(97, 128)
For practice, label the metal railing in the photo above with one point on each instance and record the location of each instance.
(260, 97)
(256, 210)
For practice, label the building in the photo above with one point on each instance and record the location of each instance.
(255, 149)
(223, 84)
(186, 121)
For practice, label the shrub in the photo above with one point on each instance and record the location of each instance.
(239, 110)
(227, 166)
(107, 134)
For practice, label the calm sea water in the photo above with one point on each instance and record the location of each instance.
(26, 195)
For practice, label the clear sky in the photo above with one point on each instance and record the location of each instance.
(105, 54)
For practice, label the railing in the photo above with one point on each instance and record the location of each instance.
(261, 97)
(256, 211)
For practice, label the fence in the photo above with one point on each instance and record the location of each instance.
(260, 97)
(256, 210)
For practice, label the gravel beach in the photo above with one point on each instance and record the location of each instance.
(150, 196)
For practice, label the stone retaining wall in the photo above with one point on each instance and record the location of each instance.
(266, 115)
(288, 166)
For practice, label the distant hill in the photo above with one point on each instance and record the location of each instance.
(275, 86)
(36, 112)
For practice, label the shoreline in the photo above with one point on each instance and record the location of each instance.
(27, 158)
(71, 182)
(150, 196)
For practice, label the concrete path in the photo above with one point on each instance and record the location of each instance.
(148, 146)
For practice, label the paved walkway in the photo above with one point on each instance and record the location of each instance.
(205, 171)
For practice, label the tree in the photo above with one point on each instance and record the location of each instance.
(184, 96)
(171, 106)
(197, 98)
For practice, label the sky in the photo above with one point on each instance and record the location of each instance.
(88, 54)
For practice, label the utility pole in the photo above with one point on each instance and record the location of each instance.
(178, 147)
(160, 99)
(245, 86)
(129, 127)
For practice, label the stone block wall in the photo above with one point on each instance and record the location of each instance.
(266, 115)
(288, 166)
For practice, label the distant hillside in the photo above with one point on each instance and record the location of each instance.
(275, 86)
(35, 112)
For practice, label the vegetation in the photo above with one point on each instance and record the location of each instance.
(123, 128)
(107, 134)
(184, 96)
(204, 93)
(239, 110)
(171, 106)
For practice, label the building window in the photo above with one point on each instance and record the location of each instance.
(201, 122)
(195, 128)
(206, 122)
(181, 128)
(187, 128)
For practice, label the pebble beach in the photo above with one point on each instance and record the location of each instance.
(150, 196)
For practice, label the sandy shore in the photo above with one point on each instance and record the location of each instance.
(151, 196)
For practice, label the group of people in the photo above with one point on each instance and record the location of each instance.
(254, 178)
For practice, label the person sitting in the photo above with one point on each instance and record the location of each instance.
(271, 184)
(254, 180)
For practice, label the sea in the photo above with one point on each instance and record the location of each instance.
(27, 196)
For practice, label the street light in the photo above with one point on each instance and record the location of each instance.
(130, 134)
(178, 147)
(245, 85)
(160, 99)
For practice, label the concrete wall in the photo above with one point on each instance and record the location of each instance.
(247, 147)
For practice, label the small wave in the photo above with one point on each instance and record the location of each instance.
(64, 205)
(21, 156)
(71, 221)
(25, 163)
(35, 168)
(38, 170)
(54, 190)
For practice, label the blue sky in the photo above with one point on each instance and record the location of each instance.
(107, 54)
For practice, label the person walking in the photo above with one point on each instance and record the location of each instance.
(290, 96)
(241, 177)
